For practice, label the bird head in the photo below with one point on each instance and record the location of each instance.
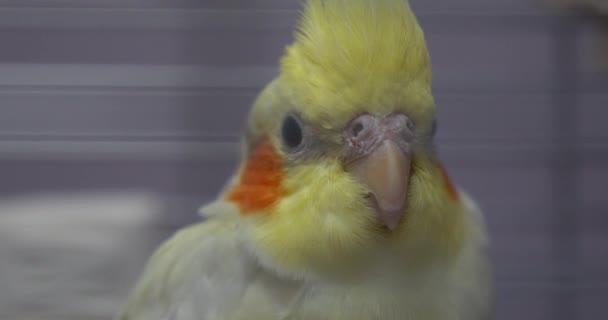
(339, 164)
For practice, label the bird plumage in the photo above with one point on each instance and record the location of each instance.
(205, 272)
(298, 232)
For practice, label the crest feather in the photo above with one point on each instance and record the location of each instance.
(352, 37)
(357, 50)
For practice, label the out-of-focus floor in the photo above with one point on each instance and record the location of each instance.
(73, 256)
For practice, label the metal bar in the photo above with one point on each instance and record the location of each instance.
(566, 166)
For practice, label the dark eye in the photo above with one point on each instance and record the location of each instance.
(291, 132)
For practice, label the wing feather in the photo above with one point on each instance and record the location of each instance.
(200, 273)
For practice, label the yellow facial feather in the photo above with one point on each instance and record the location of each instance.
(323, 219)
(324, 228)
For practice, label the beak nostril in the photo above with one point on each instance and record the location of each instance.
(410, 124)
(357, 128)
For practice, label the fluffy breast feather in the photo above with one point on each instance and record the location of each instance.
(197, 274)
(202, 273)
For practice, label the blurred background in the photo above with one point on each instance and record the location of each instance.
(119, 118)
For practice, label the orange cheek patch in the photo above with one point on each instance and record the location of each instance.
(448, 184)
(260, 184)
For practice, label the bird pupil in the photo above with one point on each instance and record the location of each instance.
(292, 132)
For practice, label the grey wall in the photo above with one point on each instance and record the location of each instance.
(151, 95)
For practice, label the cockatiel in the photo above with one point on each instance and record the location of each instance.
(341, 208)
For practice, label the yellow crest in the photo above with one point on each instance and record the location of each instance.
(357, 50)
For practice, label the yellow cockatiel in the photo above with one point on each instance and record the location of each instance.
(341, 208)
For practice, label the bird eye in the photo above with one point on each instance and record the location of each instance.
(291, 132)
